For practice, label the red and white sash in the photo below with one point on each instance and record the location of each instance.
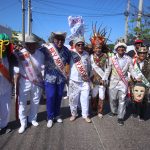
(119, 70)
(79, 65)
(57, 60)
(31, 70)
(4, 71)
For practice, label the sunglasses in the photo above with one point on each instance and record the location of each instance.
(80, 45)
(142, 52)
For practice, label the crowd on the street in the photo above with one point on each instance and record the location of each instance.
(31, 69)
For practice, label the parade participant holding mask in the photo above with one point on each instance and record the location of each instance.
(142, 68)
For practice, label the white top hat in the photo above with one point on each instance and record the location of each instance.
(78, 39)
(120, 44)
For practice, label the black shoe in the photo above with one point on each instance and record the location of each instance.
(5, 130)
(134, 115)
(112, 114)
(120, 122)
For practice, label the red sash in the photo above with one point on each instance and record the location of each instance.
(5, 72)
(57, 60)
(79, 65)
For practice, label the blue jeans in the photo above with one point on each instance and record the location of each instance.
(54, 93)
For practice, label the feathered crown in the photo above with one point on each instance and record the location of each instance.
(98, 37)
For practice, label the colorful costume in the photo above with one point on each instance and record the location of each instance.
(5, 81)
(99, 63)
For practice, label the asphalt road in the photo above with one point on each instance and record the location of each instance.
(101, 134)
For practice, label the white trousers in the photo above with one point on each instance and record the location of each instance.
(99, 90)
(79, 91)
(28, 91)
(5, 105)
(117, 97)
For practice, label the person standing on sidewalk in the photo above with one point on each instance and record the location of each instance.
(119, 65)
(142, 67)
(30, 62)
(79, 86)
(56, 57)
(99, 63)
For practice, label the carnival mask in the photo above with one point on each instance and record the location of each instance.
(3, 44)
(138, 93)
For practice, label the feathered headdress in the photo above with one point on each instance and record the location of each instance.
(98, 38)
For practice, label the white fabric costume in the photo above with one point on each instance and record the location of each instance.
(79, 89)
(117, 88)
(29, 91)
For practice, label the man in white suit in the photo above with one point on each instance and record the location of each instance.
(119, 66)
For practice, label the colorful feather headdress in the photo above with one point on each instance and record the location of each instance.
(98, 38)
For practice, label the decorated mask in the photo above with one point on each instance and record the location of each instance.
(138, 92)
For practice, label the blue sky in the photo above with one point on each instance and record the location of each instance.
(50, 15)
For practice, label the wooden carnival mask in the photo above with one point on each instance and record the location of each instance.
(138, 92)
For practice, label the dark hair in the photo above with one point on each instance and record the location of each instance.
(140, 84)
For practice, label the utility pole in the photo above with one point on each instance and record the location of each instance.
(23, 21)
(29, 18)
(126, 13)
(140, 13)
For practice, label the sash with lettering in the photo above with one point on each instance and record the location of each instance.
(97, 69)
(119, 71)
(31, 70)
(57, 60)
(139, 72)
(4, 71)
(79, 65)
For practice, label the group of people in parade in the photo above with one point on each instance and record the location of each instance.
(95, 73)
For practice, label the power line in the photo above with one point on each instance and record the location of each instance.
(102, 15)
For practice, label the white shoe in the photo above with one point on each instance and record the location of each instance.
(50, 123)
(22, 129)
(65, 97)
(59, 120)
(34, 123)
(100, 115)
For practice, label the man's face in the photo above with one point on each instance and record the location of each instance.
(121, 50)
(59, 41)
(142, 55)
(137, 45)
(79, 47)
(31, 47)
(138, 93)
